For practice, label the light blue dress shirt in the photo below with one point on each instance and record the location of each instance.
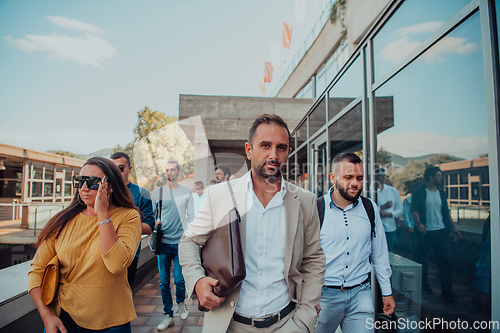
(349, 247)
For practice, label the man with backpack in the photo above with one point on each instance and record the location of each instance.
(352, 235)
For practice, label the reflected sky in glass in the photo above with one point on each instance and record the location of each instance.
(349, 87)
(439, 100)
(413, 23)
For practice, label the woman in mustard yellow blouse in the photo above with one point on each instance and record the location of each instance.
(95, 238)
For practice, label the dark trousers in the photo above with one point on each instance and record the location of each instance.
(439, 240)
(72, 327)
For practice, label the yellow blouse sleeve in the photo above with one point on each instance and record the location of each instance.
(43, 255)
(128, 228)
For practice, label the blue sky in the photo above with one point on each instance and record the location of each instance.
(74, 74)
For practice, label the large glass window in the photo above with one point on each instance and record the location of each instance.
(302, 169)
(435, 116)
(413, 23)
(346, 89)
(301, 134)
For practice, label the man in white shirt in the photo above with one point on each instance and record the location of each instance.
(198, 196)
(280, 238)
(390, 205)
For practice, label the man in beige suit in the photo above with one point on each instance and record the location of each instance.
(284, 261)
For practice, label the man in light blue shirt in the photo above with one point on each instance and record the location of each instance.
(350, 243)
(175, 202)
(198, 196)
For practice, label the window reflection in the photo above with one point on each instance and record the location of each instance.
(302, 169)
(413, 23)
(346, 89)
(345, 134)
(423, 130)
(318, 117)
(301, 134)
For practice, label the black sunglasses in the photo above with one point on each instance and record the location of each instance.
(121, 167)
(92, 182)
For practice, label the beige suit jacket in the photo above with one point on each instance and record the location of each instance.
(304, 265)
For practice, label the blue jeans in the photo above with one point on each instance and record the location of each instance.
(72, 327)
(348, 308)
(169, 253)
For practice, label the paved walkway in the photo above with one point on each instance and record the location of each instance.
(149, 309)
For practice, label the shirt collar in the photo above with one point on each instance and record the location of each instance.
(250, 185)
(331, 204)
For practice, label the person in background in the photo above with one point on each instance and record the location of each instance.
(142, 201)
(198, 196)
(175, 202)
(95, 239)
(213, 182)
(222, 173)
(433, 226)
(390, 205)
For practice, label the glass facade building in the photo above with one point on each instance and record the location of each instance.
(421, 89)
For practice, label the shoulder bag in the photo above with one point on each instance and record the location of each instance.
(155, 238)
(50, 281)
(222, 257)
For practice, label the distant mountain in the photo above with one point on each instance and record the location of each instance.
(402, 161)
(106, 152)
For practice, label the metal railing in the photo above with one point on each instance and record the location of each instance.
(309, 40)
(38, 214)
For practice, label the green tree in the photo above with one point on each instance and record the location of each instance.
(383, 156)
(149, 121)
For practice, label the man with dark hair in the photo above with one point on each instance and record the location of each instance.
(280, 235)
(390, 205)
(142, 200)
(433, 225)
(352, 236)
(222, 173)
(173, 207)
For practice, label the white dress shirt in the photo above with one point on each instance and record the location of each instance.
(198, 202)
(264, 290)
(348, 245)
(389, 193)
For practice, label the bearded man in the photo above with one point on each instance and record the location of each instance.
(284, 262)
(352, 236)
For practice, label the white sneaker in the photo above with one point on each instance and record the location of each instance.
(183, 310)
(165, 323)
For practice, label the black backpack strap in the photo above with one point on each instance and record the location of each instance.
(320, 202)
(159, 205)
(370, 212)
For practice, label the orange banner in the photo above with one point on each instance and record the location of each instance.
(287, 35)
(268, 72)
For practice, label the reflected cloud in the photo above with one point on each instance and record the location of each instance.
(449, 45)
(425, 27)
(91, 49)
(401, 47)
(412, 144)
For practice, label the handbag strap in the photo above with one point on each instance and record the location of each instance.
(232, 194)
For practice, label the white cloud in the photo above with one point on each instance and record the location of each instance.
(425, 27)
(68, 23)
(449, 45)
(412, 144)
(90, 49)
(398, 49)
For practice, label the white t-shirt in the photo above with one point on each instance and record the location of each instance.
(433, 211)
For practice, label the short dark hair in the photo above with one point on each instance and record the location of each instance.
(379, 171)
(224, 169)
(199, 182)
(350, 157)
(213, 181)
(268, 119)
(175, 162)
(430, 172)
(120, 154)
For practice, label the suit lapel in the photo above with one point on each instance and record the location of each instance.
(292, 208)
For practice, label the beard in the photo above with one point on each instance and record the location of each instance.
(261, 172)
(344, 194)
